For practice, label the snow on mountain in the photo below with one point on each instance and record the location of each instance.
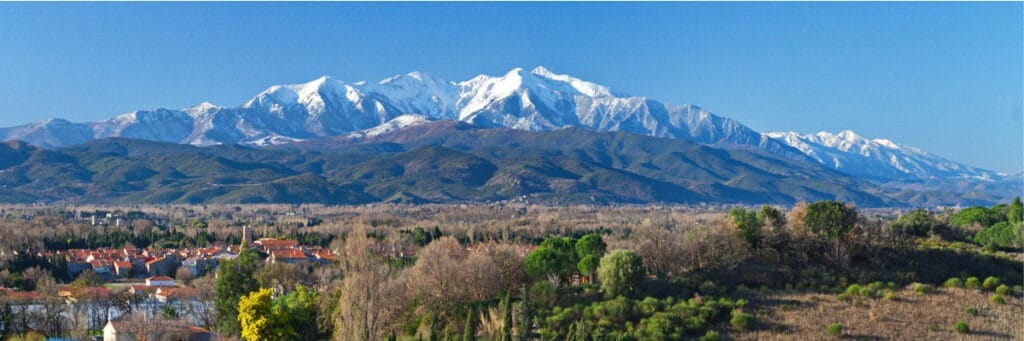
(399, 123)
(879, 159)
(539, 99)
(421, 93)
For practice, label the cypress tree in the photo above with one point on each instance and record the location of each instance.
(469, 334)
(506, 334)
(525, 330)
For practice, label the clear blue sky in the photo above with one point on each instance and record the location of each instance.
(945, 77)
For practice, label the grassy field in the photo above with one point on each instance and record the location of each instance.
(931, 316)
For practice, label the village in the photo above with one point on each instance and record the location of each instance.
(110, 283)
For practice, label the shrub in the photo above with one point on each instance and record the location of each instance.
(711, 335)
(991, 283)
(834, 329)
(997, 299)
(921, 289)
(890, 296)
(953, 283)
(842, 297)
(961, 327)
(867, 292)
(853, 290)
(741, 320)
(972, 283)
(1002, 289)
(972, 311)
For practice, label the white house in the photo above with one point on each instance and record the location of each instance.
(160, 281)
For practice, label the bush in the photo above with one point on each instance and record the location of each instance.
(961, 327)
(890, 296)
(997, 299)
(972, 283)
(991, 283)
(842, 297)
(711, 335)
(921, 289)
(853, 290)
(972, 311)
(741, 320)
(834, 329)
(1002, 289)
(953, 283)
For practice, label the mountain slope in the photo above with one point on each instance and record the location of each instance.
(434, 162)
(879, 159)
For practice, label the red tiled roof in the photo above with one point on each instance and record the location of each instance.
(288, 254)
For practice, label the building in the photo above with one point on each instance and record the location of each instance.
(163, 265)
(160, 281)
(290, 256)
(130, 327)
(247, 235)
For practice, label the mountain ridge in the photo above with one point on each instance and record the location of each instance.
(535, 100)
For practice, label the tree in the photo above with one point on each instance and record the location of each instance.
(372, 292)
(771, 216)
(282, 277)
(506, 328)
(234, 280)
(918, 223)
(544, 262)
(749, 226)
(469, 333)
(87, 278)
(589, 249)
(621, 271)
(554, 258)
(184, 275)
(299, 309)
(1015, 213)
(437, 275)
(830, 219)
(524, 331)
(259, 320)
(977, 215)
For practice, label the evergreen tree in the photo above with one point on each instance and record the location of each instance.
(525, 330)
(235, 278)
(469, 334)
(506, 331)
(1015, 213)
(621, 271)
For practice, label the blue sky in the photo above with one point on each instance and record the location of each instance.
(945, 77)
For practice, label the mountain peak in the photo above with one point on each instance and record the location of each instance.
(542, 71)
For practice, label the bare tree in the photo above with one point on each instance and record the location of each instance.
(372, 293)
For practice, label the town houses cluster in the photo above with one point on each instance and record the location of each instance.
(130, 262)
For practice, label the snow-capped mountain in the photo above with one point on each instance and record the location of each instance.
(879, 159)
(531, 100)
(534, 100)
